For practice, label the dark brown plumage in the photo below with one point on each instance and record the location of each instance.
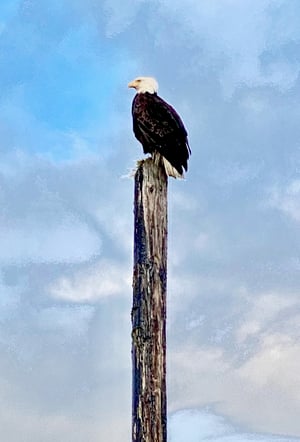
(159, 128)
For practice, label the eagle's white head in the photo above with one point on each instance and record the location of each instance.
(144, 84)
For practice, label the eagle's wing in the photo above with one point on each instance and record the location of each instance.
(157, 126)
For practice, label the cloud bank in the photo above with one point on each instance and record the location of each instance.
(231, 69)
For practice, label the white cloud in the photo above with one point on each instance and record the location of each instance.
(71, 320)
(120, 14)
(104, 279)
(233, 36)
(197, 375)
(229, 173)
(200, 425)
(241, 390)
(67, 240)
(259, 361)
(194, 426)
(18, 423)
(262, 311)
(9, 301)
(183, 201)
(276, 363)
(239, 351)
(287, 199)
(116, 226)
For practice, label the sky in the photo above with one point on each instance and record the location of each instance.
(231, 70)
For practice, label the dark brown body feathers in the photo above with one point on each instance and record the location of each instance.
(158, 127)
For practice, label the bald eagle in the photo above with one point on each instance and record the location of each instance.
(158, 127)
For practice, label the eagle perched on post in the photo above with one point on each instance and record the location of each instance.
(158, 127)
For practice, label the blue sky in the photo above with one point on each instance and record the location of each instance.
(231, 69)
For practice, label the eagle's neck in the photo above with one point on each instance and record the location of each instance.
(147, 92)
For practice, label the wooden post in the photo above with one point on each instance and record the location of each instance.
(149, 400)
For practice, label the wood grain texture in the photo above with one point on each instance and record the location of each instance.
(149, 405)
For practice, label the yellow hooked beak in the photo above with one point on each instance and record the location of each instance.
(132, 84)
